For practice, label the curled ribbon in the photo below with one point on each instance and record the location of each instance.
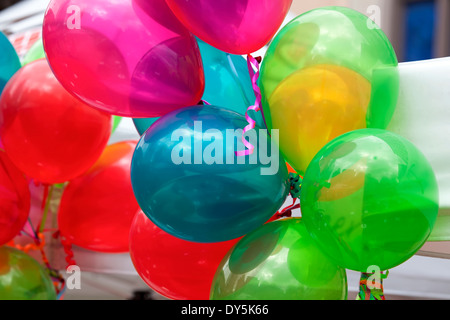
(251, 63)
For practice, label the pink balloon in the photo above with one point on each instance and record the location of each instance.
(233, 26)
(130, 58)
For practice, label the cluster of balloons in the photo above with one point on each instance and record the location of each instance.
(196, 216)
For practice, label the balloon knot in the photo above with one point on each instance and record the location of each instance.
(295, 181)
(371, 286)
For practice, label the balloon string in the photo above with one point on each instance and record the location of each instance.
(39, 245)
(295, 181)
(67, 246)
(371, 289)
(251, 63)
(287, 212)
(39, 241)
(48, 190)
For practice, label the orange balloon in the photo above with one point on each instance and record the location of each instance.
(97, 208)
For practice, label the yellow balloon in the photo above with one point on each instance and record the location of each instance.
(315, 105)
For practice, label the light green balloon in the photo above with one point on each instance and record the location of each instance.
(369, 198)
(116, 121)
(278, 261)
(23, 278)
(34, 53)
(336, 36)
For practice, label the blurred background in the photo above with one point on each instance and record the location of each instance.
(418, 29)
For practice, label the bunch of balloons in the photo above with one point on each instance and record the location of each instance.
(197, 201)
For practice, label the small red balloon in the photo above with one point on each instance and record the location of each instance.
(97, 208)
(14, 199)
(47, 133)
(175, 268)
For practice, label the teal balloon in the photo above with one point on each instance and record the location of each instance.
(279, 261)
(227, 85)
(142, 124)
(188, 180)
(9, 61)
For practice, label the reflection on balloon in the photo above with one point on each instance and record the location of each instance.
(23, 278)
(132, 58)
(279, 261)
(369, 197)
(339, 95)
(227, 85)
(189, 182)
(327, 72)
(175, 268)
(227, 81)
(233, 26)
(98, 207)
(47, 133)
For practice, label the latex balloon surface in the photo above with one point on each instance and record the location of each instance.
(190, 183)
(98, 207)
(370, 197)
(173, 267)
(47, 133)
(234, 26)
(279, 261)
(9, 61)
(130, 58)
(14, 199)
(227, 85)
(34, 53)
(23, 278)
(329, 71)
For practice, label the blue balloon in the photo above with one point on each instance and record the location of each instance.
(188, 180)
(227, 85)
(142, 124)
(9, 61)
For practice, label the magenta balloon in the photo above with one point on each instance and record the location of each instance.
(130, 58)
(233, 26)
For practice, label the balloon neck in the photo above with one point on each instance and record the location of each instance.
(371, 286)
(295, 181)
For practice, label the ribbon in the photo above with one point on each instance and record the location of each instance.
(295, 181)
(251, 63)
(370, 288)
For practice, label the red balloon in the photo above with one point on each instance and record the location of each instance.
(97, 208)
(48, 134)
(175, 268)
(14, 199)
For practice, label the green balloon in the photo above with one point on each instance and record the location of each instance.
(278, 261)
(23, 278)
(34, 53)
(116, 121)
(335, 36)
(369, 198)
